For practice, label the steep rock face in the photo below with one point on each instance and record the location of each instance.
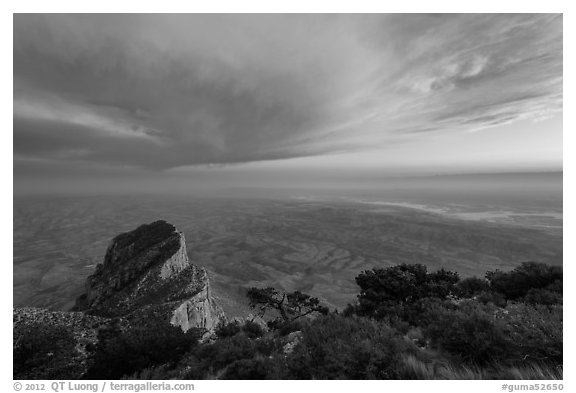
(200, 310)
(148, 268)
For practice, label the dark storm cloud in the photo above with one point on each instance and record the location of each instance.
(163, 91)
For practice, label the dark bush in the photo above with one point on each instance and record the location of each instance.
(257, 368)
(529, 275)
(337, 347)
(120, 353)
(534, 333)
(43, 351)
(489, 297)
(224, 329)
(285, 328)
(225, 351)
(266, 346)
(421, 312)
(441, 283)
(471, 286)
(471, 332)
(557, 286)
(252, 329)
(542, 296)
(386, 291)
(230, 357)
(517, 335)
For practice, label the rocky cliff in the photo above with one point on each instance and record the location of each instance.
(145, 284)
(148, 269)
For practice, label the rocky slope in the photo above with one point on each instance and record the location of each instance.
(146, 280)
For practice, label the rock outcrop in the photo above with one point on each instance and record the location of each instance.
(148, 269)
(145, 283)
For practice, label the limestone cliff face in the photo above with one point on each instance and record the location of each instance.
(148, 268)
(200, 310)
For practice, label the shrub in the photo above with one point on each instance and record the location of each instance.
(534, 333)
(336, 347)
(224, 329)
(258, 368)
(386, 291)
(494, 298)
(542, 296)
(517, 335)
(472, 286)
(441, 283)
(161, 372)
(225, 351)
(230, 357)
(284, 328)
(252, 329)
(120, 353)
(267, 346)
(44, 351)
(516, 283)
(471, 332)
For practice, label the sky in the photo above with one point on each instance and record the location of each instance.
(142, 101)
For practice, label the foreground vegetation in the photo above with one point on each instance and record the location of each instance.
(408, 323)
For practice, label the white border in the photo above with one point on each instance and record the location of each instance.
(243, 6)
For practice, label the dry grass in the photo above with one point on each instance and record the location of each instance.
(533, 371)
(417, 369)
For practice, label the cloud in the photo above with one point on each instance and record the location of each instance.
(164, 91)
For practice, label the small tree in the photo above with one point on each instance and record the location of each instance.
(290, 306)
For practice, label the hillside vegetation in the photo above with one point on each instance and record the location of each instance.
(407, 323)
